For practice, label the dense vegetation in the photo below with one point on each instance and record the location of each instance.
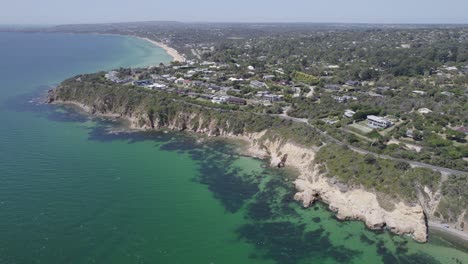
(396, 179)
(128, 100)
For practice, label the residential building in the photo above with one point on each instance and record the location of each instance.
(378, 122)
(143, 82)
(236, 101)
(257, 84)
(112, 76)
(349, 113)
(332, 87)
(219, 99)
(424, 111)
(463, 129)
(352, 83)
(419, 92)
(344, 98)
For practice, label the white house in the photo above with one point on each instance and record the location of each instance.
(419, 92)
(424, 111)
(378, 122)
(349, 113)
(219, 99)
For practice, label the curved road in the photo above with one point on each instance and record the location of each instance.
(363, 151)
(355, 149)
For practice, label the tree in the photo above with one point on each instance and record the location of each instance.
(455, 135)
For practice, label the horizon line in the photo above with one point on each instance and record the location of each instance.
(236, 22)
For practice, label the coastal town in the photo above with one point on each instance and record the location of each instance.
(374, 118)
(272, 91)
(234, 132)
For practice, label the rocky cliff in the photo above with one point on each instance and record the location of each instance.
(313, 184)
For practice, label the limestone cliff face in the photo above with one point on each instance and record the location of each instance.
(349, 204)
(312, 184)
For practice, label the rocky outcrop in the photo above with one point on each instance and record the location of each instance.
(348, 203)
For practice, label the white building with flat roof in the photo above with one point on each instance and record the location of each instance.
(378, 122)
(349, 113)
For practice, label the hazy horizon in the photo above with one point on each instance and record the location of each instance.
(54, 12)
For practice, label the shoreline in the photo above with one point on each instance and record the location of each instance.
(454, 233)
(250, 151)
(176, 56)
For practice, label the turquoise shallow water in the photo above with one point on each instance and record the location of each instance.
(70, 192)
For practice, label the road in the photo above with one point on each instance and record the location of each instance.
(355, 149)
(364, 152)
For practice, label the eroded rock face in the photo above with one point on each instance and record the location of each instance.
(356, 204)
(349, 204)
(361, 205)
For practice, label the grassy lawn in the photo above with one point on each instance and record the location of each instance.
(361, 127)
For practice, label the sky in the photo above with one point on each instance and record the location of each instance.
(43, 12)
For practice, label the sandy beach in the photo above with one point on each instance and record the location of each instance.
(176, 56)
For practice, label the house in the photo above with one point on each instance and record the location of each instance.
(424, 111)
(257, 84)
(268, 77)
(232, 79)
(236, 101)
(112, 76)
(219, 99)
(409, 133)
(447, 93)
(157, 86)
(273, 97)
(262, 93)
(332, 87)
(297, 92)
(126, 80)
(180, 81)
(143, 83)
(349, 113)
(419, 92)
(196, 83)
(463, 129)
(228, 100)
(405, 46)
(329, 121)
(378, 122)
(352, 83)
(451, 68)
(344, 98)
(465, 69)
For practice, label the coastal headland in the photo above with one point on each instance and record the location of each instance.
(404, 212)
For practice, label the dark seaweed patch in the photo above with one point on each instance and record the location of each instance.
(366, 240)
(230, 187)
(389, 258)
(285, 243)
(273, 201)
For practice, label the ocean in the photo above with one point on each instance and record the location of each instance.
(73, 189)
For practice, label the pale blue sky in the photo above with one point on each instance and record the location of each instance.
(351, 11)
